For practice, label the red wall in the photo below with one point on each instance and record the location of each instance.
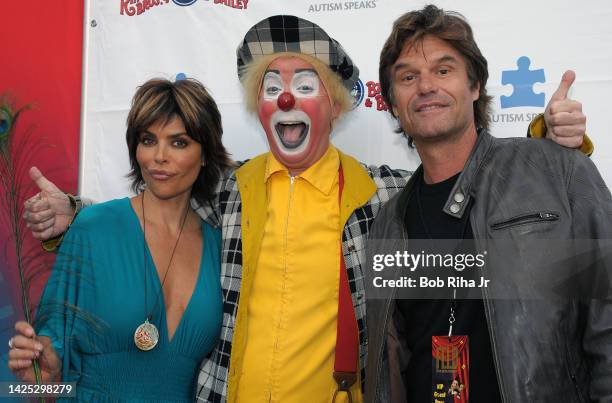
(41, 47)
(40, 64)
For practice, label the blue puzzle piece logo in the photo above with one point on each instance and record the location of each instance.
(523, 80)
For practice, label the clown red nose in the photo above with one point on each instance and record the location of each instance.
(286, 101)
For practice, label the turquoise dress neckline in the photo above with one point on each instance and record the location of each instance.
(94, 301)
(152, 269)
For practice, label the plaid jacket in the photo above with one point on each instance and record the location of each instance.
(214, 373)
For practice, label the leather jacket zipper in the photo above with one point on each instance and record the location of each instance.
(572, 374)
(487, 309)
(576, 387)
(541, 216)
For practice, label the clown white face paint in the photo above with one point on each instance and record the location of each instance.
(296, 113)
(305, 83)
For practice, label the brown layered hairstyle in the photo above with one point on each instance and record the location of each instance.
(160, 100)
(412, 27)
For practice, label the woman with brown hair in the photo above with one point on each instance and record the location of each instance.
(134, 302)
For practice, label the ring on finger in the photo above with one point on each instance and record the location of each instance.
(10, 344)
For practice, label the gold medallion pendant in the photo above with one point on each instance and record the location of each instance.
(146, 336)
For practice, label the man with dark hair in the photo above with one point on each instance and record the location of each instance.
(472, 186)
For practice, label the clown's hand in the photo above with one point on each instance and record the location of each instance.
(49, 212)
(565, 122)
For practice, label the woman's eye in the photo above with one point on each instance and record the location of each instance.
(179, 143)
(147, 141)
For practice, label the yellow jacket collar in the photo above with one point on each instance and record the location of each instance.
(358, 186)
(322, 175)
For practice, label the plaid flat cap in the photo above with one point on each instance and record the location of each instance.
(288, 33)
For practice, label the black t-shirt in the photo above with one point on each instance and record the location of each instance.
(427, 318)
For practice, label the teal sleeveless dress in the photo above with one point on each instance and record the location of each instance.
(94, 301)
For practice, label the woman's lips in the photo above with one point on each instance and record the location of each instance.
(160, 175)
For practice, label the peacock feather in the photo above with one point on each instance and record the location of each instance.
(6, 123)
(12, 201)
(16, 151)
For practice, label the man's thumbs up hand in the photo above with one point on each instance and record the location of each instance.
(565, 122)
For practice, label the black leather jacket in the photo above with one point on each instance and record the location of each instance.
(546, 350)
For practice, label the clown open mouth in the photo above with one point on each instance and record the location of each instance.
(291, 134)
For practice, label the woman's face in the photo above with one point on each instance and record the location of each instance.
(169, 159)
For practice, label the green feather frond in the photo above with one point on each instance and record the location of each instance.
(17, 149)
(11, 205)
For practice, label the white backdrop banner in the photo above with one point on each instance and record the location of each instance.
(529, 44)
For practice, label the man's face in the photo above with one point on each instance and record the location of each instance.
(296, 113)
(433, 97)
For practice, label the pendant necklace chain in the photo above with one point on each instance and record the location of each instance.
(146, 335)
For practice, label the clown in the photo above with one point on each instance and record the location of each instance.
(294, 224)
(297, 237)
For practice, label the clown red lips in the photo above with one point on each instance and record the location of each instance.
(296, 112)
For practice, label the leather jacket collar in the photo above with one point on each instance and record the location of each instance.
(459, 198)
